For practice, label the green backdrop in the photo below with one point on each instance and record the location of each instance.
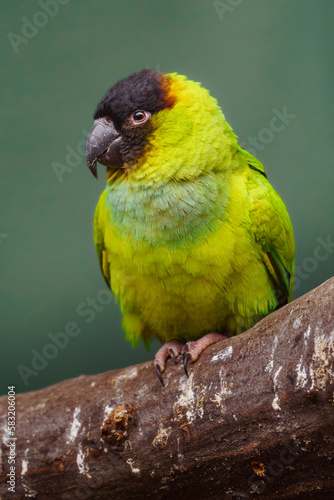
(260, 59)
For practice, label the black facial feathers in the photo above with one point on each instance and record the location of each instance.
(145, 90)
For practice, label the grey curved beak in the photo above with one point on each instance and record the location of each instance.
(103, 145)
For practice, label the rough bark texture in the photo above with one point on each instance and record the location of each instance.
(254, 418)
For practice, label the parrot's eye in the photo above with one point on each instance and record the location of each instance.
(139, 117)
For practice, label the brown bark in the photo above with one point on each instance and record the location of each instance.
(255, 418)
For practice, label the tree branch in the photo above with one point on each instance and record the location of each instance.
(254, 418)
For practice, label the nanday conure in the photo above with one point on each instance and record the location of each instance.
(191, 237)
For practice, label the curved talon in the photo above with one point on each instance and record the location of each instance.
(158, 370)
(186, 359)
(185, 349)
(171, 354)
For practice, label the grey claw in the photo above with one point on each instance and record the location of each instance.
(186, 358)
(158, 370)
(171, 353)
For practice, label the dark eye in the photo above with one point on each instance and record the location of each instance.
(140, 116)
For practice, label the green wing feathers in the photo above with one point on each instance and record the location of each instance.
(272, 229)
(253, 162)
(102, 253)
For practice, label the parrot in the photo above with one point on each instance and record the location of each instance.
(192, 239)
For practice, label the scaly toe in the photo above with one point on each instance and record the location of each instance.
(170, 349)
(192, 350)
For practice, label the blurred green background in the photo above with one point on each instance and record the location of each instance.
(255, 57)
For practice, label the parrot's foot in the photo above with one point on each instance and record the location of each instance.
(191, 350)
(170, 349)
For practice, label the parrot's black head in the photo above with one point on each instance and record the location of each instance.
(122, 119)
